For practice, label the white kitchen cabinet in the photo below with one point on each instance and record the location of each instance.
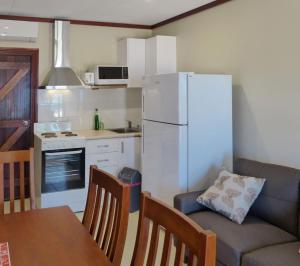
(113, 170)
(131, 53)
(131, 156)
(97, 146)
(104, 160)
(111, 155)
(161, 55)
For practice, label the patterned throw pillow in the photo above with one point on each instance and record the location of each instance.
(232, 195)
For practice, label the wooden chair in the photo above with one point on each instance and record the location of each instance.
(13, 158)
(201, 244)
(107, 212)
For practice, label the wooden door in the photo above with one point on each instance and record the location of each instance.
(18, 84)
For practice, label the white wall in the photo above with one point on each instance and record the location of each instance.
(89, 46)
(258, 42)
(255, 41)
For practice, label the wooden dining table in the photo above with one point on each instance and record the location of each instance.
(49, 237)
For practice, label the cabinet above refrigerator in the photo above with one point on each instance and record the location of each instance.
(145, 57)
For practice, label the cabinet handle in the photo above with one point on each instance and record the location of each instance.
(101, 161)
(122, 146)
(143, 139)
(102, 146)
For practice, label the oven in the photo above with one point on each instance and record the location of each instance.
(63, 170)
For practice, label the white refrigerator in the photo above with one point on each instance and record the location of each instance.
(187, 132)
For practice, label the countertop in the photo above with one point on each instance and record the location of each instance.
(105, 134)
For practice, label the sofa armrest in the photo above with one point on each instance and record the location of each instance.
(187, 202)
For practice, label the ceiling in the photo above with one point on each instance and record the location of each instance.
(145, 12)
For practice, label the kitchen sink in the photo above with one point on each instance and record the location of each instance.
(125, 130)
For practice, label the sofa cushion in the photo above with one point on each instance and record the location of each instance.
(278, 202)
(278, 255)
(232, 195)
(233, 240)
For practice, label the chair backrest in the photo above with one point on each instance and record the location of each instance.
(279, 201)
(107, 212)
(15, 161)
(200, 244)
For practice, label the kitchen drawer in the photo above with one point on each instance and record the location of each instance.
(103, 146)
(103, 160)
(113, 170)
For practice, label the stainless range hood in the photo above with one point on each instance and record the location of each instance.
(61, 75)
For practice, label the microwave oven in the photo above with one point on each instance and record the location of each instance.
(111, 75)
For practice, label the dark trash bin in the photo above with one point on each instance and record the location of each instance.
(133, 178)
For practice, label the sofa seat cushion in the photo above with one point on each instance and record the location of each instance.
(278, 255)
(233, 240)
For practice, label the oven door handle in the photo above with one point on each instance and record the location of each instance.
(63, 153)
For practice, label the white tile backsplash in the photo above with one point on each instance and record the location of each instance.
(115, 106)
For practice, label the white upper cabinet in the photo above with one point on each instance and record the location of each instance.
(161, 55)
(147, 57)
(131, 53)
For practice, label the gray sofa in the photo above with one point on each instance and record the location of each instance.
(270, 234)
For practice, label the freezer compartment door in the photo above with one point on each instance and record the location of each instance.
(164, 160)
(165, 98)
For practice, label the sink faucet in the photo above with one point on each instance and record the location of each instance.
(129, 123)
